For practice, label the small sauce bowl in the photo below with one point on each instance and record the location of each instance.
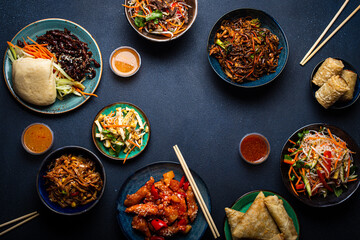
(37, 138)
(254, 148)
(125, 61)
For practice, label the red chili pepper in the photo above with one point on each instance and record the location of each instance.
(158, 224)
(182, 181)
(300, 186)
(182, 193)
(327, 162)
(322, 180)
(74, 194)
(157, 238)
(154, 192)
(186, 185)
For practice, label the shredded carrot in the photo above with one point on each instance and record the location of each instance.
(128, 154)
(115, 126)
(112, 148)
(292, 186)
(292, 142)
(130, 6)
(351, 180)
(84, 93)
(133, 143)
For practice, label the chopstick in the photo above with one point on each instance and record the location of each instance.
(325, 31)
(330, 36)
(28, 217)
(197, 193)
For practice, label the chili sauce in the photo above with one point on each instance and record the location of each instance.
(125, 61)
(37, 138)
(254, 148)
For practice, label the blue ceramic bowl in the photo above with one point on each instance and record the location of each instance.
(267, 22)
(138, 179)
(338, 104)
(38, 28)
(41, 187)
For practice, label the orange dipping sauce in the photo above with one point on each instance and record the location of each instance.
(37, 138)
(125, 61)
(254, 148)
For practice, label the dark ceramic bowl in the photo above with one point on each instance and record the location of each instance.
(267, 22)
(338, 104)
(160, 38)
(139, 178)
(331, 199)
(41, 186)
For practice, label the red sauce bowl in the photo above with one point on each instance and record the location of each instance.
(254, 148)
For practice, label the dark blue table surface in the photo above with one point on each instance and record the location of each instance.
(188, 105)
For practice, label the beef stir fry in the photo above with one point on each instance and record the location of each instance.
(72, 181)
(72, 54)
(164, 208)
(245, 50)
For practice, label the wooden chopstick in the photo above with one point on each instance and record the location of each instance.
(27, 218)
(330, 36)
(197, 193)
(325, 31)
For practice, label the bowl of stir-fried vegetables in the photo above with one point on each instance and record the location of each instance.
(160, 20)
(121, 131)
(319, 165)
(247, 48)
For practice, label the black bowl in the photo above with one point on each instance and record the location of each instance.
(41, 187)
(268, 22)
(338, 104)
(331, 199)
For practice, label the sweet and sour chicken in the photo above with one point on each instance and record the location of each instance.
(162, 208)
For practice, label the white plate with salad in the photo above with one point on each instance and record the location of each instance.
(70, 94)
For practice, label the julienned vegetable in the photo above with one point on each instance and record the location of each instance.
(122, 130)
(320, 162)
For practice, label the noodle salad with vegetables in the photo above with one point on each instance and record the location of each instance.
(320, 162)
(162, 17)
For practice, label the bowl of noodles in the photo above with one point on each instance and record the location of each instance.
(159, 20)
(71, 180)
(247, 48)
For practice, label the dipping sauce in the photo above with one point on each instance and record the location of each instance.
(37, 138)
(125, 61)
(254, 148)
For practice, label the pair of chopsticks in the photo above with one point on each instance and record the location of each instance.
(197, 193)
(311, 53)
(27, 218)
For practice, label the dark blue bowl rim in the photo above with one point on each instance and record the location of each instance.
(147, 166)
(228, 80)
(71, 148)
(348, 66)
(321, 202)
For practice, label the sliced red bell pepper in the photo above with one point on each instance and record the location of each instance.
(186, 185)
(322, 180)
(154, 192)
(300, 186)
(182, 181)
(327, 162)
(157, 238)
(158, 224)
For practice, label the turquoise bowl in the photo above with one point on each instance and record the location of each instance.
(267, 22)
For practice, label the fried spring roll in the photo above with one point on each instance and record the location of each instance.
(331, 91)
(350, 78)
(330, 67)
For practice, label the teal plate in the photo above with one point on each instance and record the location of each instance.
(100, 146)
(245, 201)
(39, 28)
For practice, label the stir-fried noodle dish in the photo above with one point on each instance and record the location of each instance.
(162, 17)
(245, 50)
(72, 181)
(320, 163)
